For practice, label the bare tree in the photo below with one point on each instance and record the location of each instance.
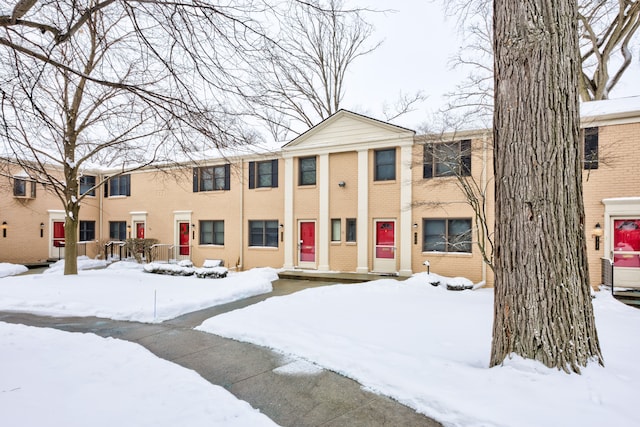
(543, 308)
(300, 79)
(452, 154)
(606, 29)
(121, 84)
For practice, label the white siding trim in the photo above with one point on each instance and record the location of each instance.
(362, 220)
(323, 227)
(405, 211)
(288, 213)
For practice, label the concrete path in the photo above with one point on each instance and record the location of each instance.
(247, 370)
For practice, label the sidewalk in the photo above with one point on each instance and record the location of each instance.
(247, 370)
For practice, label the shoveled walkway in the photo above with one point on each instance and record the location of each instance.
(247, 370)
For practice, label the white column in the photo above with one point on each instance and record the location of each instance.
(405, 211)
(362, 221)
(289, 225)
(323, 216)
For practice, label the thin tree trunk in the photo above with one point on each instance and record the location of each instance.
(543, 307)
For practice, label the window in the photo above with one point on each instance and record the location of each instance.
(263, 174)
(24, 188)
(87, 231)
(117, 230)
(87, 182)
(263, 233)
(118, 186)
(446, 235)
(591, 148)
(336, 232)
(212, 178)
(307, 171)
(385, 168)
(447, 159)
(351, 230)
(212, 232)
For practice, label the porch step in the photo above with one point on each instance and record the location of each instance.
(335, 277)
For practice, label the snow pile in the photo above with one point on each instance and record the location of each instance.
(7, 269)
(109, 383)
(84, 263)
(429, 349)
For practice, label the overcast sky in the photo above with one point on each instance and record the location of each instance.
(419, 41)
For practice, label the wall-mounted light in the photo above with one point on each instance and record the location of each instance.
(193, 231)
(129, 230)
(41, 229)
(597, 233)
(342, 184)
(281, 226)
(4, 228)
(415, 233)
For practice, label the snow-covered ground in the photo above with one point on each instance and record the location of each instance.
(423, 345)
(60, 379)
(7, 269)
(123, 291)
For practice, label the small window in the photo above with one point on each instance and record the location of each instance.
(118, 230)
(336, 232)
(447, 159)
(385, 165)
(307, 171)
(591, 148)
(87, 184)
(263, 174)
(446, 235)
(351, 230)
(212, 178)
(118, 186)
(263, 233)
(87, 231)
(24, 188)
(212, 232)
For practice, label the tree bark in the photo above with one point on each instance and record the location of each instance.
(543, 307)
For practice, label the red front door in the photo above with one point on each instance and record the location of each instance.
(308, 241)
(184, 238)
(58, 234)
(140, 230)
(626, 242)
(385, 239)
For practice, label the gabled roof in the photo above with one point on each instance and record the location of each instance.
(346, 130)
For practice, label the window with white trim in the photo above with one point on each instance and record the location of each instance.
(263, 233)
(446, 235)
(212, 232)
(447, 159)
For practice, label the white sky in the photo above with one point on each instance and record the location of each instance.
(419, 41)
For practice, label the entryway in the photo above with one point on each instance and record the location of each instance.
(384, 251)
(307, 244)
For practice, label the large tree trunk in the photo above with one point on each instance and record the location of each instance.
(543, 307)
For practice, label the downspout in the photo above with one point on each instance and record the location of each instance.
(483, 183)
(241, 257)
(100, 215)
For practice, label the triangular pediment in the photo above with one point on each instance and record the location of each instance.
(346, 130)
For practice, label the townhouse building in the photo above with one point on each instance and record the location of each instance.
(351, 194)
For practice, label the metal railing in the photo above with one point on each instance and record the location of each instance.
(162, 252)
(115, 250)
(607, 272)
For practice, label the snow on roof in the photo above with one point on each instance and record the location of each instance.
(610, 108)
